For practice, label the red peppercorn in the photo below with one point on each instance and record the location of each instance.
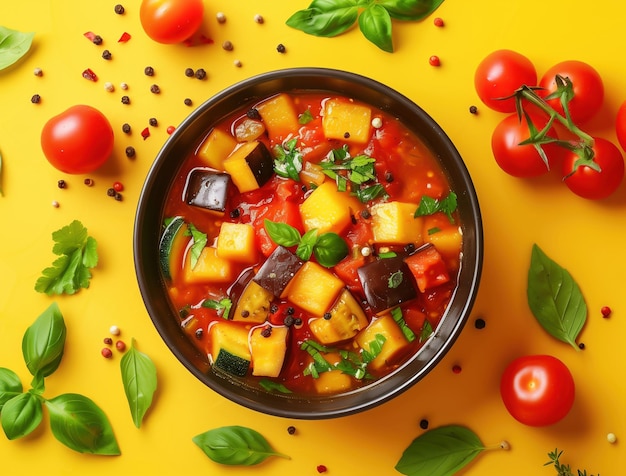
(606, 311)
(434, 60)
(106, 353)
(90, 75)
(108, 341)
(120, 345)
(456, 369)
(118, 186)
(438, 21)
(171, 129)
(321, 468)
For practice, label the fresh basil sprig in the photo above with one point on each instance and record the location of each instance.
(430, 206)
(555, 298)
(13, 45)
(328, 18)
(75, 420)
(139, 377)
(235, 446)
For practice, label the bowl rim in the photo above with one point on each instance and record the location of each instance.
(244, 92)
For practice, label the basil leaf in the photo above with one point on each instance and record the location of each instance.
(21, 415)
(440, 452)
(235, 445)
(330, 249)
(430, 206)
(282, 234)
(325, 18)
(410, 9)
(13, 45)
(10, 386)
(306, 245)
(555, 298)
(375, 24)
(139, 377)
(78, 423)
(199, 242)
(44, 341)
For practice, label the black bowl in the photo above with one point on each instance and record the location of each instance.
(148, 227)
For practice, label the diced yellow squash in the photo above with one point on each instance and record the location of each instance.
(210, 268)
(216, 147)
(268, 353)
(347, 121)
(393, 223)
(345, 320)
(312, 174)
(313, 288)
(254, 304)
(231, 337)
(395, 342)
(448, 241)
(333, 381)
(236, 242)
(249, 130)
(279, 116)
(328, 209)
(250, 165)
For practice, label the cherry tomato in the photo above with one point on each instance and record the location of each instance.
(592, 184)
(620, 125)
(522, 160)
(587, 85)
(499, 74)
(171, 21)
(537, 390)
(77, 141)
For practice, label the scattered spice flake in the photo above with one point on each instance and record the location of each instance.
(35, 99)
(124, 38)
(90, 35)
(321, 468)
(424, 424)
(90, 75)
(38, 72)
(606, 311)
(145, 133)
(55, 204)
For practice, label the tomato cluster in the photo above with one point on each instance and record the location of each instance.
(542, 130)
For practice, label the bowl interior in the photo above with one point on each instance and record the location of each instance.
(148, 227)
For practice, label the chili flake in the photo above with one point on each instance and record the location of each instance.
(90, 75)
(90, 35)
(321, 468)
(145, 133)
(124, 38)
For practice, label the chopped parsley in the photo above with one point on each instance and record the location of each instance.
(430, 206)
(288, 160)
(199, 242)
(396, 313)
(305, 117)
(395, 280)
(222, 306)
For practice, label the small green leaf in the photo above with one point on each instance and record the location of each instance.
(235, 445)
(375, 24)
(426, 332)
(395, 280)
(44, 342)
(282, 233)
(271, 386)
(78, 423)
(326, 18)
(305, 117)
(10, 386)
(440, 452)
(398, 316)
(430, 206)
(13, 45)
(410, 9)
(21, 415)
(306, 245)
(330, 249)
(199, 242)
(139, 377)
(554, 298)
(222, 306)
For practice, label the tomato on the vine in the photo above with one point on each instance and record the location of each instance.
(77, 141)
(499, 75)
(522, 160)
(171, 21)
(586, 83)
(537, 390)
(620, 126)
(586, 182)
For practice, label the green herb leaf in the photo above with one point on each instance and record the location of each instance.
(375, 24)
(222, 306)
(282, 233)
(371, 192)
(288, 161)
(235, 445)
(555, 299)
(13, 45)
(410, 9)
(139, 377)
(21, 415)
(199, 242)
(330, 249)
(395, 280)
(397, 315)
(305, 117)
(326, 18)
(271, 386)
(10, 386)
(70, 272)
(307, 242)
(44, 341)
(78, 423)
(430, 206)
(440, 452)
(426, 332)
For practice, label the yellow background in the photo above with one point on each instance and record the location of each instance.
(585, 237)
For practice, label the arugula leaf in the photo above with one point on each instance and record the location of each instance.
(70, 272)
(199, 242)
(13, 45)
(430, 206)
(235, 446)
(21, 415)
(139, 377)
(222, 306)
(44, 342)
(555, 299)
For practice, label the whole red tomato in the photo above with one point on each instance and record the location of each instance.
(171, 21)
(537, 390)
(499, 74)
(77, 141)
(587, 85)
(586, 182)
(522, 160)
(620, 125)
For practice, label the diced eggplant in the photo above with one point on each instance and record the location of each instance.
(207, 189)
(278, 270)
(251, 166)
(387, 282)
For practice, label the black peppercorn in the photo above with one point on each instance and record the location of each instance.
(245, 313)
(480, 323)
(234, 213)
(473, 110)
(118, 196)
(97, 40)
(189, 73)
(119, 9)
(88, 182)
(291, 430)
(153, 122)
(409, 247)
(126, 128)
(111, 192)
(253, 113)
(266, 332)
(188, 102)
(149, 71)
(346, 135)
(366, 214)
(288, 321)
(130, 151)
(155, 89)
(200, 73)
(125, 100)
(424, 424)
(199, 333)
(290, 310)
(388, 177)
(35, 99)
(281, 48)
(327, 316)
(106, 54)
(61, 184)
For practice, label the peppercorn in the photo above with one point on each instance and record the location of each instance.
(61, 183)
(473, 110)
(155, 89)
(125, 100)
(106, 353)
(281, 48)
(480, 323)
(108, 86)
(200, 73)
(237, 63)
(288, 321)
(153, 122)
(297, 322)
(291, 430)
(605, 311)
(170, 129)
(438, 22)
(199, 333)
(120, 345)
(108, 341)
(130, 151)
(245, 313)
(106, 54)
(111, 192)
(126, 128)
(290, 310)
(221, 18)
(118, 186)
(188, 102)
(346, 135)
(35, 99)
(189, 73)
(227, 45)
(97, 40)
(273, 308)
(388, 177)
(234, 213)
(149, 71)
(327, 316)
(366, 214)
(258, 19)
(321, 468)
(88, 182)
(434, 60)
(38, 72)
(55, 204)
(456, 369)
(424, 424)
(118, 197)
(266, 332)
(581, 346)
(114, 330)
(119, 9)
(253, 113)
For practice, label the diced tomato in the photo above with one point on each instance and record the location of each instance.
(428, 268)
(346, 270)
(360, 234)
(413, 317)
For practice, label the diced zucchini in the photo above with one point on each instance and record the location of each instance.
(279, 116)
(345, 319)
(249, 130)
(395, 341)
(333, 381)
(171, 247)
(328, 209)
(209, 268)
(393, 223)
(254, 304)
(216, 147)
(230, 350)
(236, 242)
(346, 121)
(314, 288)
(387, 282)
(250, 166)
(279, 268)
(269, 346)
(207, 189)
